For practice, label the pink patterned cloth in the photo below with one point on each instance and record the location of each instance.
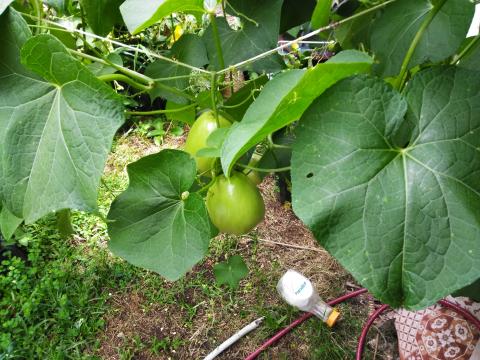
(438, 333)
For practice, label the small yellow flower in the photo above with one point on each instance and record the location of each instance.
(177, 34)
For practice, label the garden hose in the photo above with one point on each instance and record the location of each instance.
(363, 336)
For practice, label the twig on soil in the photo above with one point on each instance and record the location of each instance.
(285, 244)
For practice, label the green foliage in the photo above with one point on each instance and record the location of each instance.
(260, 26)
(321, 14)
(102, 15)
(52, 306)
(385, 179)
(188, 49)
(294, 15)
(238, 104)
(284, 99)
(58, 133)
(386, 190)
(155, 223)
(8, 223)
(230, 272)
(472, 58)
(140, 14)
(395, 29)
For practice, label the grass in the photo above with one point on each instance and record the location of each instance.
(74, 300)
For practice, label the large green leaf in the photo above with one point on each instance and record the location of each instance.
(8, 223)
(472, 58)
(102, 15)
(285, 98)
(189, 49)
(155, 223)
(258, 34)
(391, 186)
(4, 4)
(140, 14)
(54, 137)
(321, 14)
(294, 15)
(393, 32)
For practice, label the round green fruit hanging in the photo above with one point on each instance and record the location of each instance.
(197, 139)
(234, 204)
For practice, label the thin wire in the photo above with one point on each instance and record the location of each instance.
(136, 49)
(306, 36)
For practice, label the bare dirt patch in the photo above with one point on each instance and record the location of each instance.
(202, 315)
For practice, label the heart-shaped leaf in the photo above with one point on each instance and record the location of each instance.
(55, 132)
(394, 31)
(231, 271)
(284, 99)
(156, 224)
(391, 186)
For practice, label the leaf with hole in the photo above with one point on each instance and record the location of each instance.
(284, 99)
(390, 185)
(156, 224)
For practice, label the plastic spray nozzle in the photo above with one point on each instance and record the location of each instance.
(298, 291)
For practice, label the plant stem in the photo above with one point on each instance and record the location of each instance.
(306, 36)
(218, 43)
(240, 103)
(287, 168)
(84, 27)
(158, 112)
(213, 97)
(466, 50)
(37, 7)
(206, 187)
(120, 44)
(133, 74)
(64, 223)
(279, 146)
(175, 91)
(125, 79)
(402, 77)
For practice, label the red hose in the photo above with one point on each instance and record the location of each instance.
(297, 322)
(465, 313)
(361, 341)
(363, 335)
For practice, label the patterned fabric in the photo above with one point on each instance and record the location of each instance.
(438, 333)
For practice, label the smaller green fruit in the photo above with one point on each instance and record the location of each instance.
(197, 139)
(235, 205)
